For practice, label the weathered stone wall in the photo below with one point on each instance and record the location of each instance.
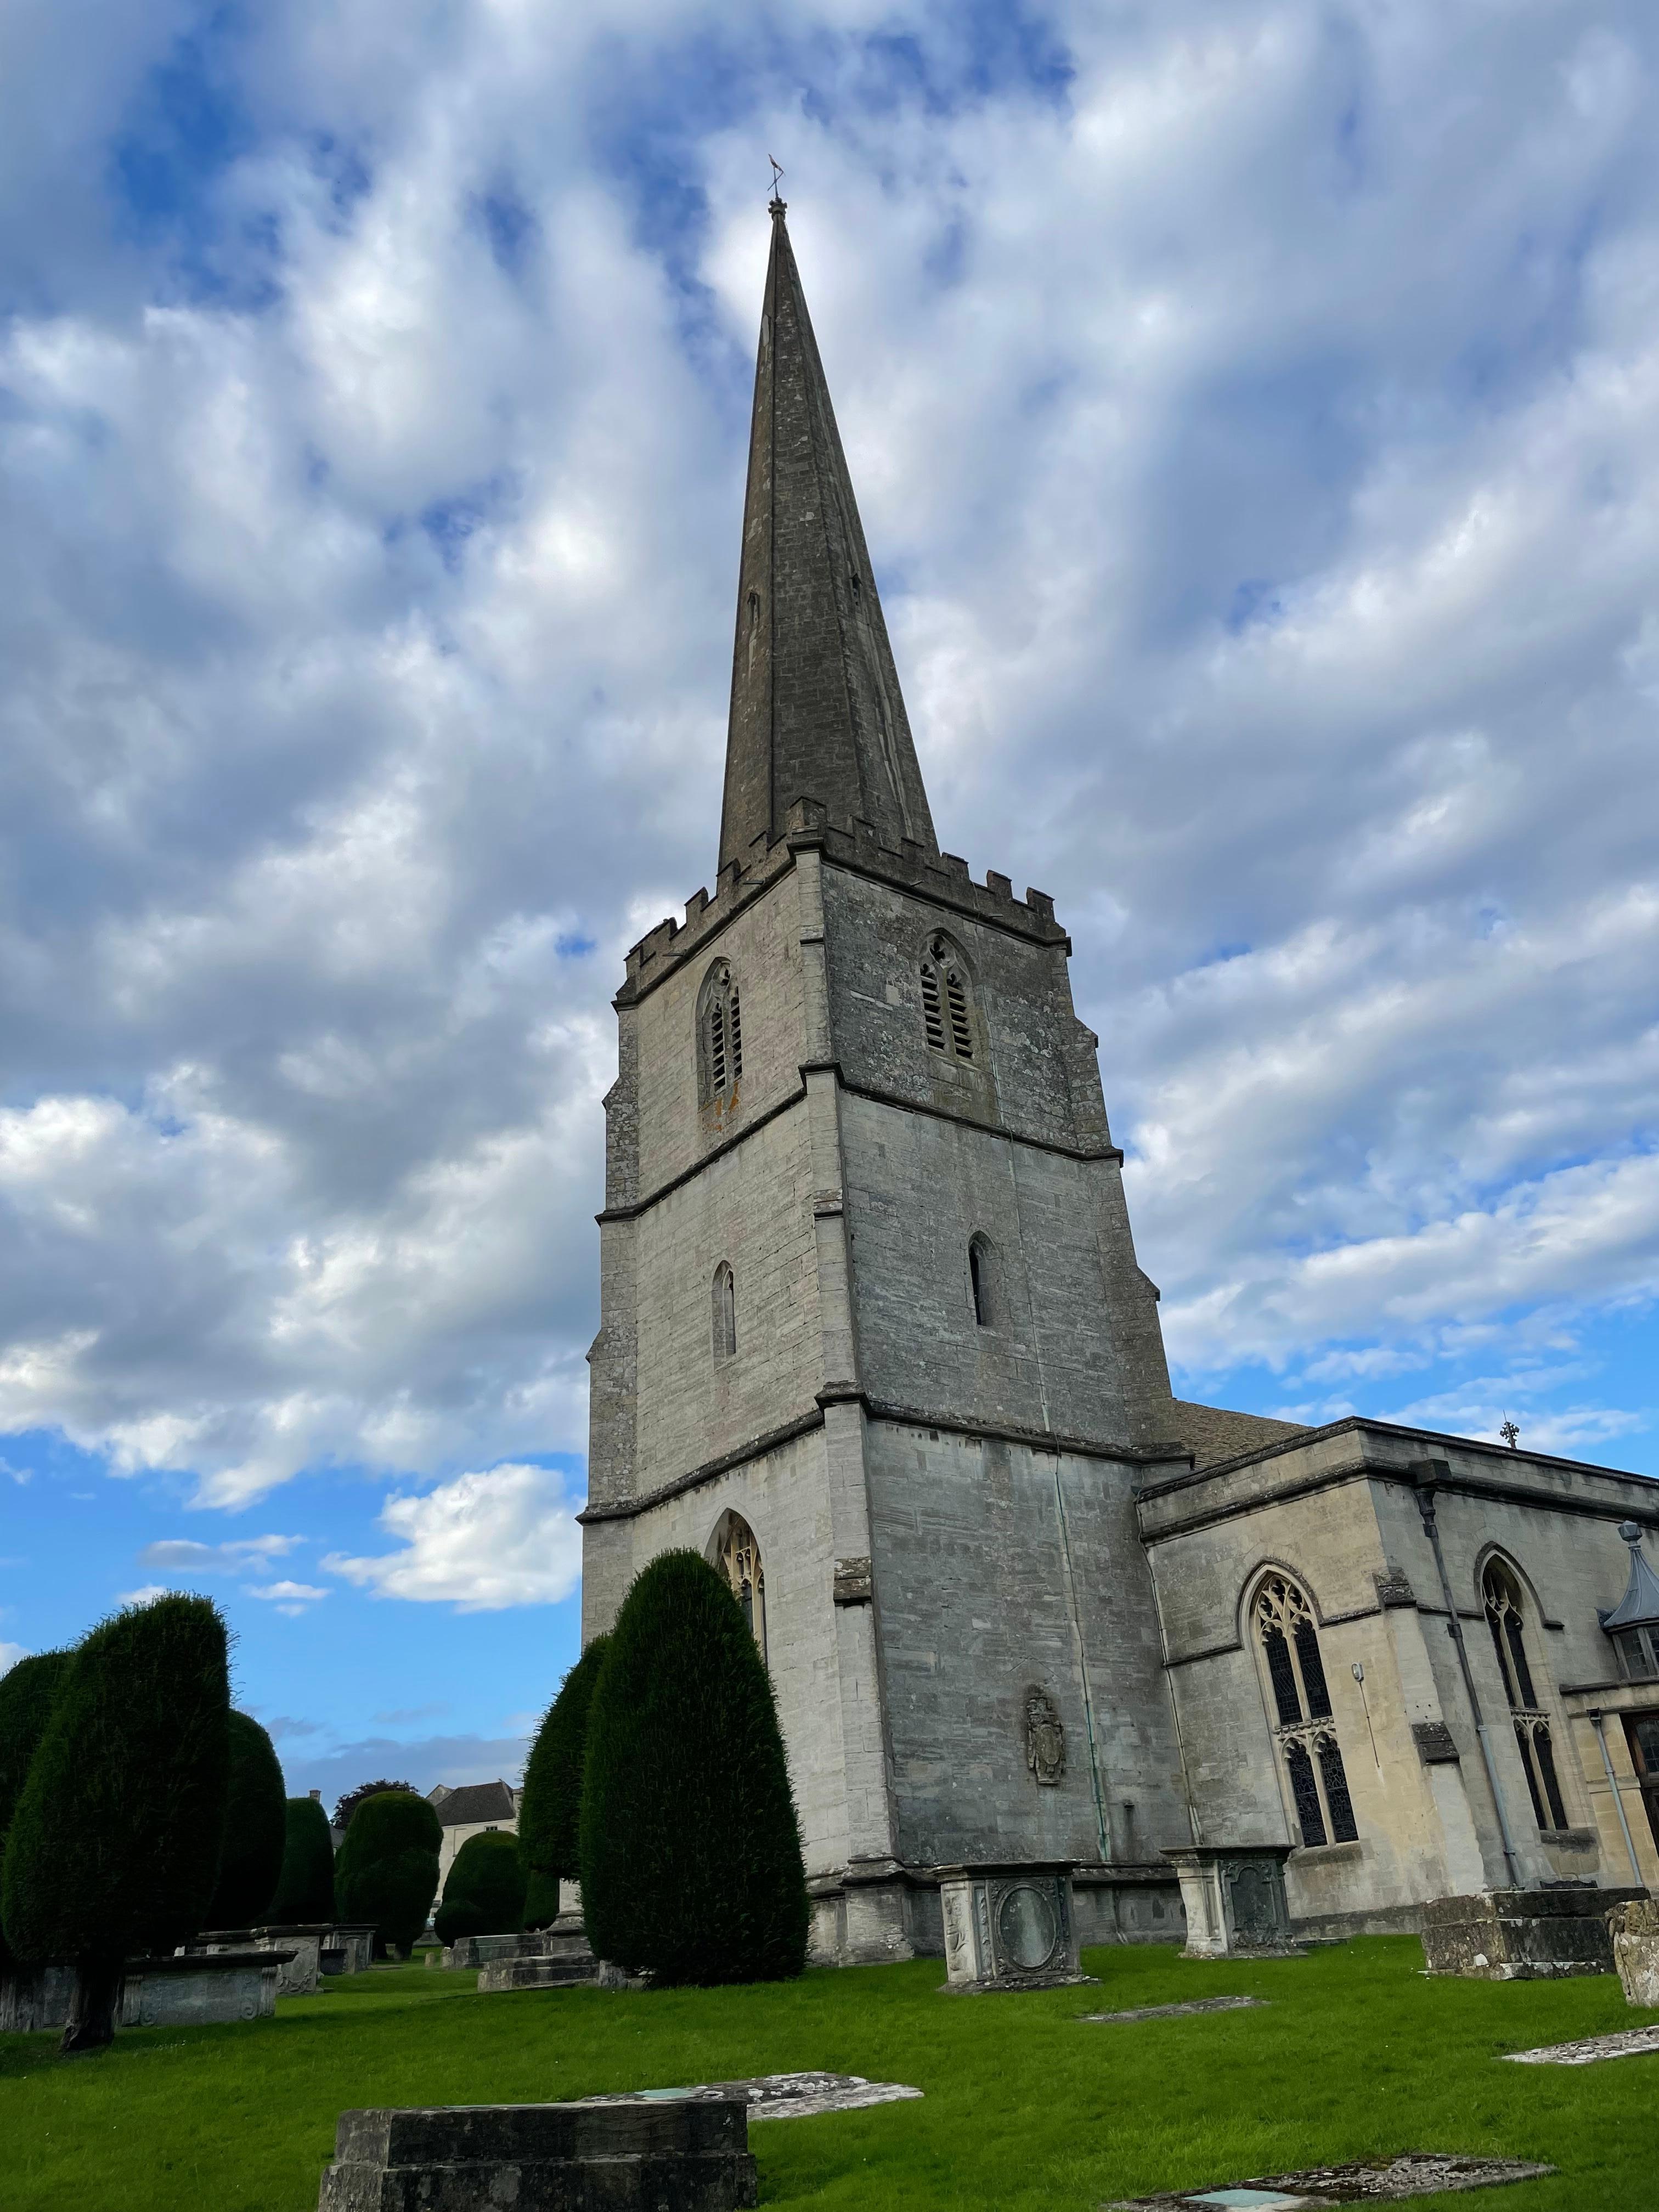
(977, 1600)
(1076, 1347)
(783, 1494)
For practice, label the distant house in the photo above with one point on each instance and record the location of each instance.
(472, 1810)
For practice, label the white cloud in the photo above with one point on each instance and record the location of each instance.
(501, 1538)
(143, 1595)
(291, 1598)
(246, 1555)
(9, 1656)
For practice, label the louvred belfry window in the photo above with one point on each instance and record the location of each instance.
(947, 1001)
(720, 1038)
(1507, 1622)
(1301, 1701)
(737, 1556)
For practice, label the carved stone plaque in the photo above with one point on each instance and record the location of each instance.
(1045, 1738)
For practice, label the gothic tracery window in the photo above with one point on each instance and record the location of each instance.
(1304, 1727)
(1504, 1617)
(720, 1037)
(737, 1556)
(726, 1313)
(944, 1000)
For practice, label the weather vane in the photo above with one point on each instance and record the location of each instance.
(1510, 1433)
(777, 173)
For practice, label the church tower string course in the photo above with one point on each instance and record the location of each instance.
(870, 1317)
(817, 712)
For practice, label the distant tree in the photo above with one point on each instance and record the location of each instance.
(353, 1798)
(27, 1693)
(484, 1895)
(550, 1812)
(690, 1849)
(114, 1848)
(305, 1887)
(387, 1868)
(256, 1824)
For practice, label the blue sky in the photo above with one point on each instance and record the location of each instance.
(1255, 410)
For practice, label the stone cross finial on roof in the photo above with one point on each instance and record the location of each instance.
(817, 712)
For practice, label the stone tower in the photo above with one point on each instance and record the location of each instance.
(872, 1334)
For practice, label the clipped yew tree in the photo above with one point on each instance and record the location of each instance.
(305, 1885)
(484, 1891)
(549, 1811)
(114, 1847)
(387, 1868)
(255, 1828)
(28, 1691)
(690, 1849)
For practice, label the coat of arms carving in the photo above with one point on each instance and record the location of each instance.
(1045, 1738)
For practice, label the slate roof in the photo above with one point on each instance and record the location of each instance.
(1639, 1606)
(475, 1805)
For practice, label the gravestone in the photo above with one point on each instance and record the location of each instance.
(1009, 1927)
(347, 1947)
(562, 1943)
(1522, 1935)
(299, 1975)
(1634, 1928)
(1234, 1900)
(670, 2153)
(35, 1998)
(197, 1988)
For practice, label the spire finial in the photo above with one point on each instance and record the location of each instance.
(1632, 1534)
(776, 204)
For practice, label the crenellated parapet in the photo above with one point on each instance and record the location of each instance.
(847, 843)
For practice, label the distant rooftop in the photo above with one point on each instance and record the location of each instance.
(474, 1804)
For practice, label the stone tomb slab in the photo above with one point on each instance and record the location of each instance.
(1178, 2011)
(1367, 2181)
(1628, 2043)
(787, 2096)
(684, 2153)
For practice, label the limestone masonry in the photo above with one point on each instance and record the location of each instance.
(874, 1338)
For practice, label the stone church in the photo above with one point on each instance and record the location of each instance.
(875, 1340)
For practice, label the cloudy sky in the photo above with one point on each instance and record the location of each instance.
(1255, 409)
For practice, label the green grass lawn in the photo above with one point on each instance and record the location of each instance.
(1358, 2054)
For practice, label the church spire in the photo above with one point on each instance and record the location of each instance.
(817, 712)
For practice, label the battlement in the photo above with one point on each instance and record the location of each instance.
(846, 843)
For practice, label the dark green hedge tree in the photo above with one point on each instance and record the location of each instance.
(28, 1691)
(484, 1894)
(690, 1849)
(387, 1868)
(114, 1848)
(549, 1814)
(255, 1828)
(305, 1887)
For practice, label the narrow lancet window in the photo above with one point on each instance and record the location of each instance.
(1507, 1621)
(1289, 1642)
(725, 1314)
(981, 1273)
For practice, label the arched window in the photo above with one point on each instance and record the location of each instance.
(981, 1281)
(1303, 1729)
(737, 1555)
(726, 1313)
(720, 1037)
(946, 1000)
(1504, 1617)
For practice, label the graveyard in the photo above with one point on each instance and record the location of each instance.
(1353, 2054)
